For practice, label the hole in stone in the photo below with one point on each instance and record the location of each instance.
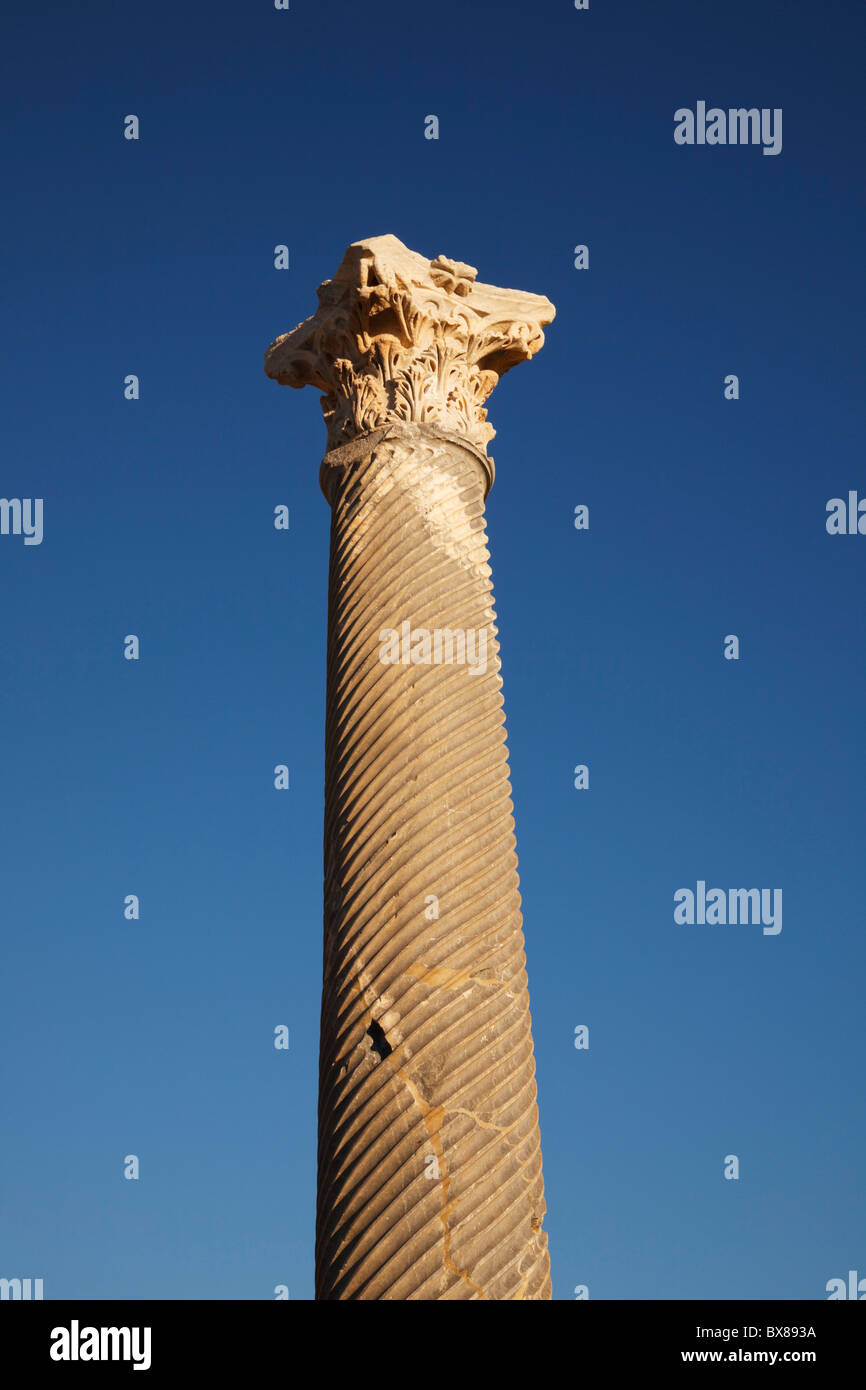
(381, 1045)
(384, 319)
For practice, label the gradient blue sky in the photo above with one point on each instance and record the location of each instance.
(707, 517)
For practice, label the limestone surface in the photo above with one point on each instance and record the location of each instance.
(429, 1182)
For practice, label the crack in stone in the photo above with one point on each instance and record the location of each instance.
(482, 1124)
(432, 1115)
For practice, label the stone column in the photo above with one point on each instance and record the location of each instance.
(430, 1181)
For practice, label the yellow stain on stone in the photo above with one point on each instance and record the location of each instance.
(439, 976)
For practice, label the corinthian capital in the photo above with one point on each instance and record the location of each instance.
(399, 338)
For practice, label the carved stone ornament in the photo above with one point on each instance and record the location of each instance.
(399, 338)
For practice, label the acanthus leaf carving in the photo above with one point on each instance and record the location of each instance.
(400, 338)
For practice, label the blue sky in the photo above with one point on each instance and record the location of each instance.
(707, 517)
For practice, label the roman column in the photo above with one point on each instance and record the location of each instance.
(430, 1182)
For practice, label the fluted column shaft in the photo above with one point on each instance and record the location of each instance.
(430, 1180)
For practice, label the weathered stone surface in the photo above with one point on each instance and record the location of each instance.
(400, 338)
(430, 1183)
